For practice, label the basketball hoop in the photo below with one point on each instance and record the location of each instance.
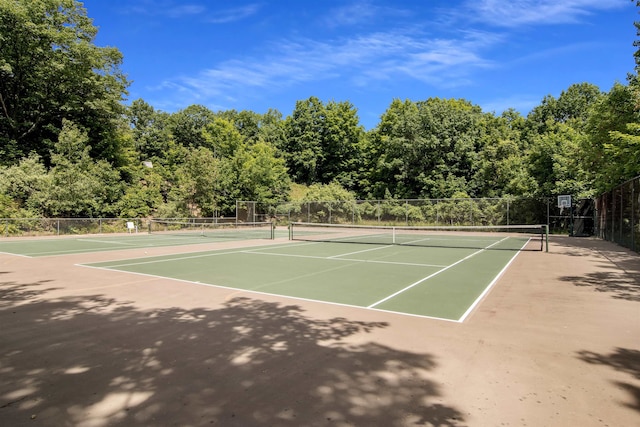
(564, 201)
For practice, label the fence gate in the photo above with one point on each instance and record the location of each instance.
(583, 218)
(245, 211)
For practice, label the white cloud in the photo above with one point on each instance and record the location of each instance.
(360, 60)
(231, 15)
(351, 14)
(164, 8)
(513, 13)
(184, 10)
(169, 9)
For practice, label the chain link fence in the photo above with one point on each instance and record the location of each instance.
(66, 226)
(24, 227)
(615, 219)
(452, 212)
(618, 214)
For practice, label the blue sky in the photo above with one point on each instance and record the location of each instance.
(256, 55)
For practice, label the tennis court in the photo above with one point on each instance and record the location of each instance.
(159, 234)
(429, 274)
(110, 343)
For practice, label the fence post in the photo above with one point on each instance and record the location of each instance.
(633, 215)
(353, 212)
(406, 212)
(548, 210)
(621, 214)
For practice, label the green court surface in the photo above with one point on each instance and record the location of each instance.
(99, 243)
(436, 282)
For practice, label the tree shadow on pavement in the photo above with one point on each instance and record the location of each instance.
(623, 360)
(617, 269)
(618, 284)
(95, 361)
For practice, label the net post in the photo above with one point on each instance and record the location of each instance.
(546, 237)
(393, 235)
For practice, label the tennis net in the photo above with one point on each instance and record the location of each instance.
(231, 231)
(508, 237)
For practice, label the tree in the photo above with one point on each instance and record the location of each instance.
(502, 164)
(610, 153)
(26, 184)
(426, 149)
(322, 142)
(261, 174)
(572, 107)
(149, 129)
(80, 187)
(144, 195)
(328, 192)
(50, 71)
(222, 137)
(555, 163)
(303, 142)
(187, 126)
(198, 183)
(341, 145)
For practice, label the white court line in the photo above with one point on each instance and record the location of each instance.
(107, 242)
(371, 307)
(345, 259)
(250, 291)
(11, 253)
(493, 282)
(434, 274)
(164, 258)
(359, 252)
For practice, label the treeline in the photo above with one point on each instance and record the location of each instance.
(71, 147)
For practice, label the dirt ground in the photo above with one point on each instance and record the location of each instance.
(555, 343)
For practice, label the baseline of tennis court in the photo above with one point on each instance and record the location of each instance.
(443, 283)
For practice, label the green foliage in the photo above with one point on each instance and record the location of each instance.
(322, 142)
(426, 149)
(69, 147)
(303, 141)
(502, 167)
(150, 131)
(79, 186)
(572, 108)
(50, 70)
(606, 155)
(197, 181)
(223, 138)
(26, 184)
(624, 149)
(555, 163)
(328, 192)
(261, 175)
(143, 197)
(187, 126)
